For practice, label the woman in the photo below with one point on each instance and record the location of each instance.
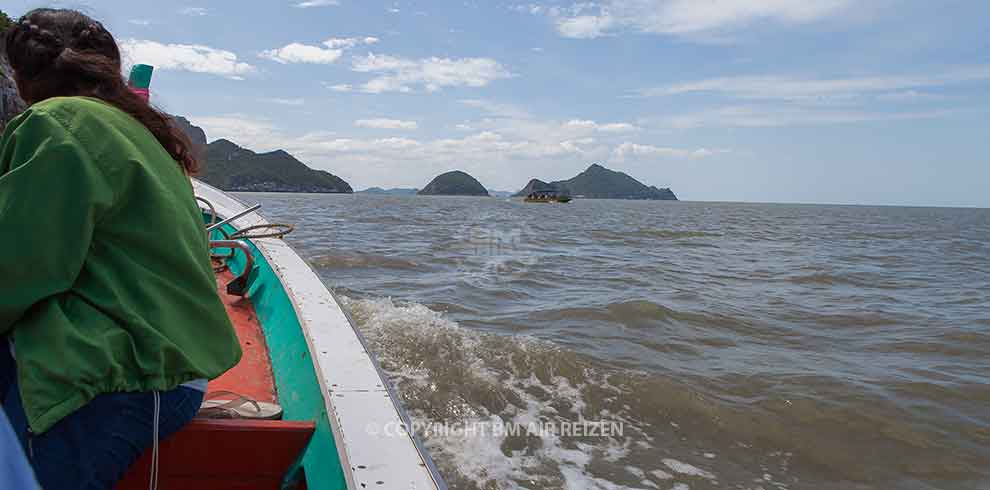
(107, 295)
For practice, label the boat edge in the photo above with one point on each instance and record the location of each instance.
(265, 247)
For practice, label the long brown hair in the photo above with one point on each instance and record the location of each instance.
(63, 53)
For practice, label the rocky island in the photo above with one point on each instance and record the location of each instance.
(233, 168)
(454, 183)
(598, 182)
(230, 167)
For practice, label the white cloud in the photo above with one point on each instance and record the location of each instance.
(910, 96)
(746, 116)
(796, 88)
(350, 42)
(778, 101)
(488, 155)
(139, 22)
(432, 74)
(497, 109)
(606, 128)
(628, 149)
(516, 122)
(386, 124)
(617, 127)
(317, 144)
(532, 8)
(342, 87)
(287, 102)
(494, 155)
(585, 20)
(585, 26)
(258, 134)
(317, 3)
(481, 146)
(302, 53)
(194, 11)
(186, 57)
(330, 52)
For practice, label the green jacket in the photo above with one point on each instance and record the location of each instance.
(105, 279)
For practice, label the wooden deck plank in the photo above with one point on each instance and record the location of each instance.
(225, 454)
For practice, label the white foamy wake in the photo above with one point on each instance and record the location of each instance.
(462, 378)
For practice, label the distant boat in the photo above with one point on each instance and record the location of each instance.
(548, 197)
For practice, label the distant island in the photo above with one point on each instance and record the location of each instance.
(230, 167)
(598, 182)
(456, 183)
(395, 191)
(233, 168)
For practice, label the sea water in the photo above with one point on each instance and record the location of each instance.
(671, 345)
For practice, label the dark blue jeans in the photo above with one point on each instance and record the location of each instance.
(93, 448)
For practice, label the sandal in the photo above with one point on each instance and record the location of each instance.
(230, 405)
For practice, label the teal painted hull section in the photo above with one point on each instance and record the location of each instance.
(299, 390)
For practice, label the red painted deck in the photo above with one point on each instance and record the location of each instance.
(231, 454)
(252, 377)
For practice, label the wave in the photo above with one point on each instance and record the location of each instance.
(658, 234)
(945, 348)
(645, 314)
(710, 432)
(357, 260)
(860, 279)
(450, 375)
(879, 236)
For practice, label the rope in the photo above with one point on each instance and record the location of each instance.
(280, 231)
(153, 484)
(220, 261)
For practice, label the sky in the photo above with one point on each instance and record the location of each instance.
(820, 101)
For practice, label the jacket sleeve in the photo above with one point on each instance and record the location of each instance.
(51, 196)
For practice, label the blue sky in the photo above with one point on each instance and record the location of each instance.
(835, 101)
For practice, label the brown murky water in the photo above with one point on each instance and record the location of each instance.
(734, 345)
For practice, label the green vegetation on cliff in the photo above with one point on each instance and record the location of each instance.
(233, 168)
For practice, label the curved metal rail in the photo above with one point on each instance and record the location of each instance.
(237, 287)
